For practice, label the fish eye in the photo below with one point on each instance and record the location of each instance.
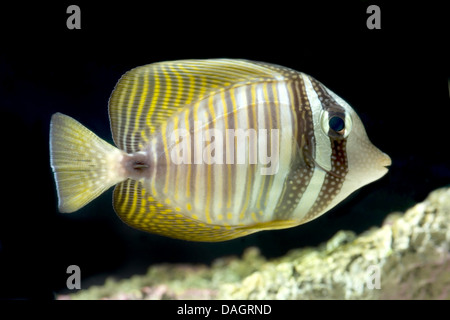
(335, 125)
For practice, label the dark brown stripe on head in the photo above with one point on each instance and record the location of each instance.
(306, 123)
(300, 174)
(328, 103)
(333, 181)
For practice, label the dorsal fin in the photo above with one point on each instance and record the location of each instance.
(148, 95)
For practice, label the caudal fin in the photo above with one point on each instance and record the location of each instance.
(83, 164)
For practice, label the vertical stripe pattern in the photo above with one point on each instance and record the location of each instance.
(208, 128)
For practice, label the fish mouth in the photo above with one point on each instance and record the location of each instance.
(385, 160)
(383, 163)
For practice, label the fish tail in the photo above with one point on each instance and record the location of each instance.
(84, 165)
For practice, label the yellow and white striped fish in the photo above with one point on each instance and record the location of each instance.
(211, 150)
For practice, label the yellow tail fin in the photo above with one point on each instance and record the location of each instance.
(83, 164)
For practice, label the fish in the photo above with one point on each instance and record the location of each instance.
(215, 149)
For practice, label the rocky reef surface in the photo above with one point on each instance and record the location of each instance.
(408, 257)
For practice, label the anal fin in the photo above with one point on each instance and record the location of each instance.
(136, 207)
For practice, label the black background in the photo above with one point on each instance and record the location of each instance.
(395, 78)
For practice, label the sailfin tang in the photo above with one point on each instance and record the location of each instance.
(145, 97)
(83, 164)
